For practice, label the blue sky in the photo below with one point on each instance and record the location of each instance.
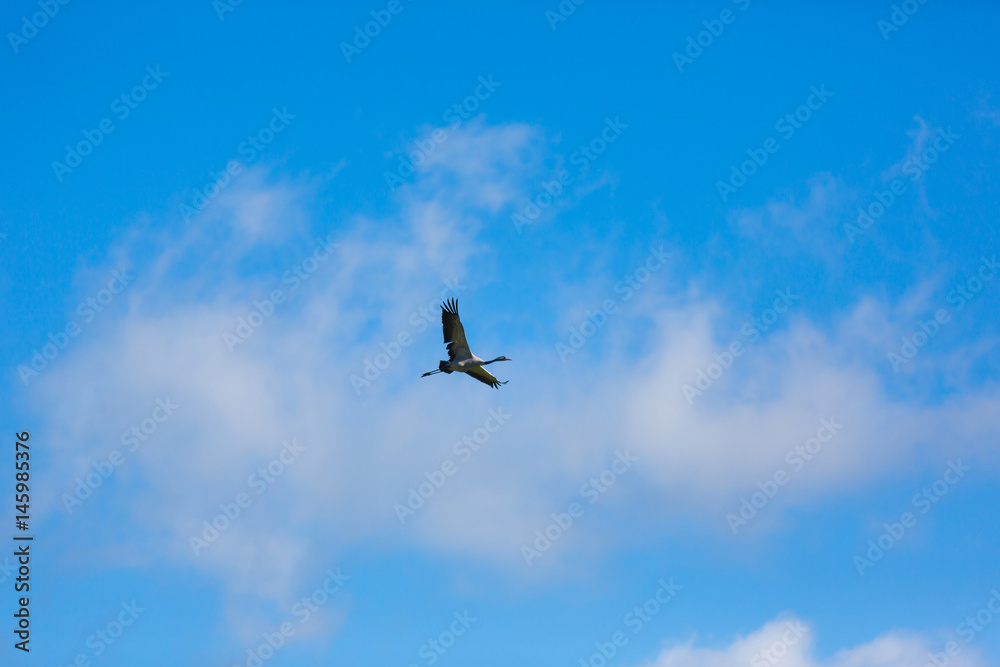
(741, 427)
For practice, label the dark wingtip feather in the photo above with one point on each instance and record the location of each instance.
(450, 306)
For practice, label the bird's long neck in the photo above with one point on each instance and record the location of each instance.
(492, 360)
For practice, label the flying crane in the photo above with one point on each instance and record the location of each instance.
(460, 358)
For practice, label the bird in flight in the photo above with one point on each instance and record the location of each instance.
(460, 358)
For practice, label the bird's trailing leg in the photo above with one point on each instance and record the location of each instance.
(442, 368)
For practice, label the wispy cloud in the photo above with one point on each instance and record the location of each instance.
(789, 642)
(291, 379)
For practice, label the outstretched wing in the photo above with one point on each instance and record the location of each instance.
(485, 377)
(454, 332)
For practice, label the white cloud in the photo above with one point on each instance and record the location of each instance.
(291, 379)
(797, 227)
(919, 137)
(825, 196)
(788, 643)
